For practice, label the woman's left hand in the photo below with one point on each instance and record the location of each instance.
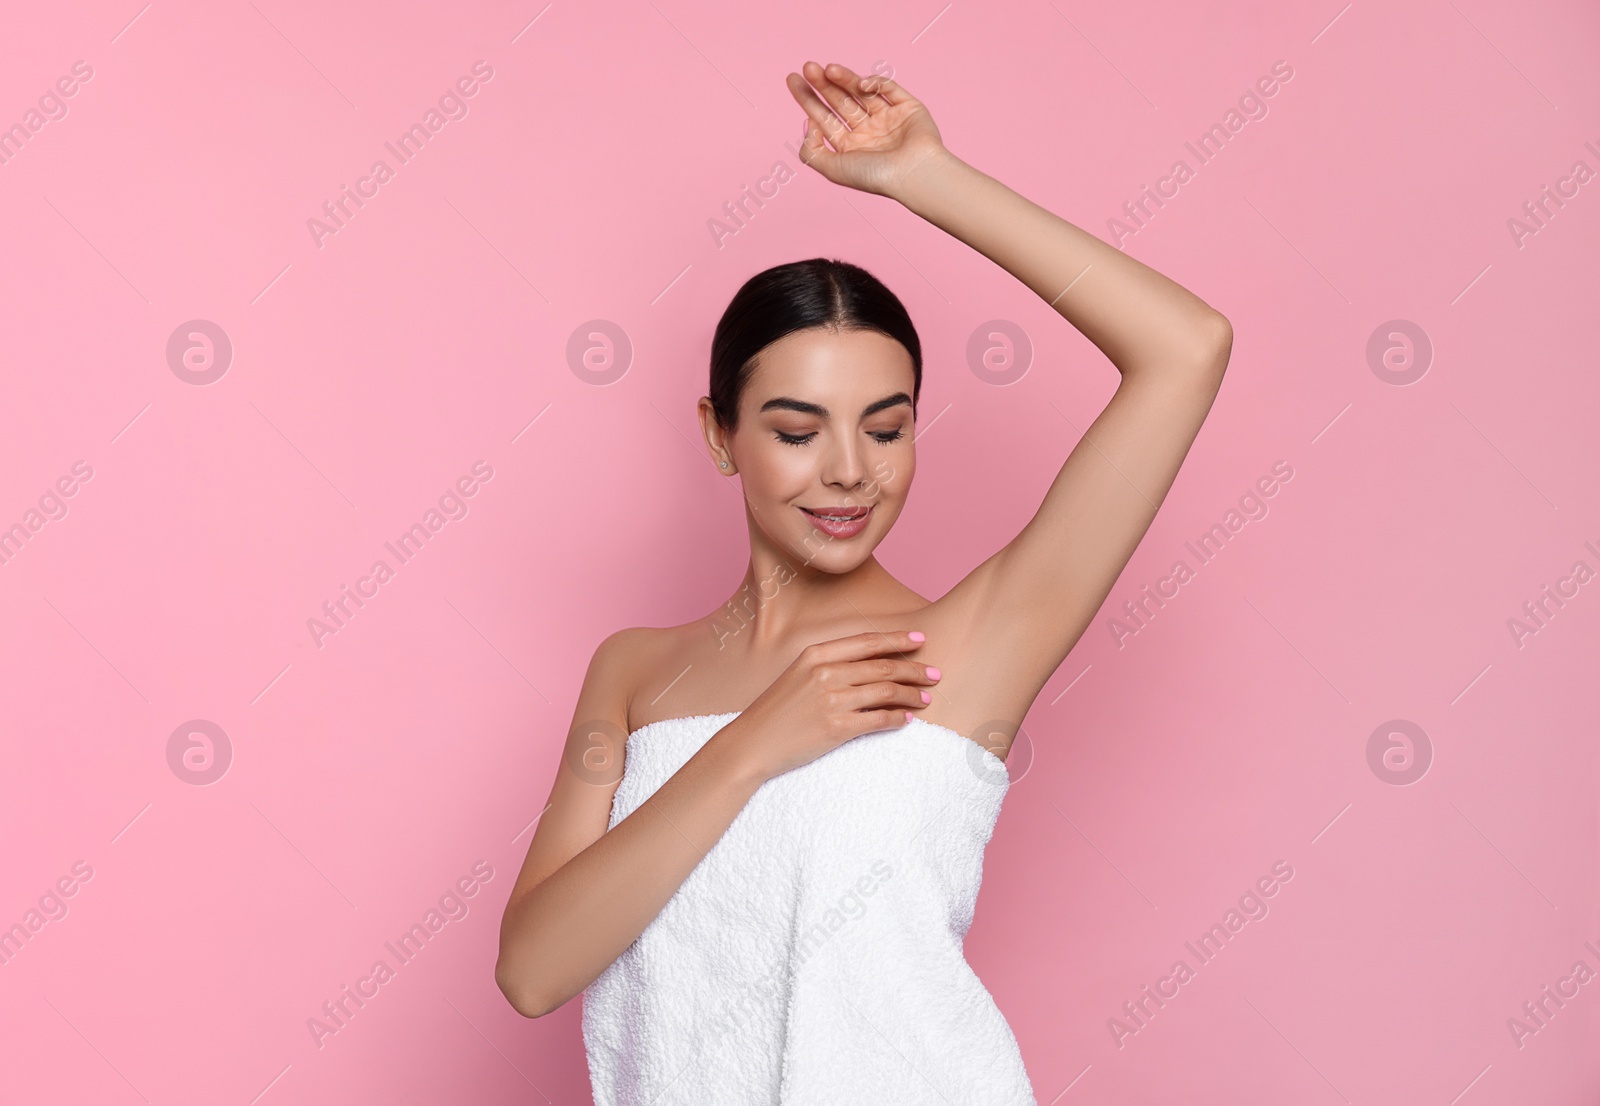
(886, 133)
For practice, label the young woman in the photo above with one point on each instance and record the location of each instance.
(764, 899)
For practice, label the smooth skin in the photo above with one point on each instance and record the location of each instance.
(815, 646)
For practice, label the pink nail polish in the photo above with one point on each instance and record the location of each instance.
(933, 673)
(926, 698)
(917, 635)
(908, 716)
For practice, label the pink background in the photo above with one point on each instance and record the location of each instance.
(368, 771)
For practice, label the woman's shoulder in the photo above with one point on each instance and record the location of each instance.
(644, 641)
(628, 658)
(623, 651)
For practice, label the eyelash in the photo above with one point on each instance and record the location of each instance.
(881, 439)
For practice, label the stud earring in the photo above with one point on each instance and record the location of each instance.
(724, 464)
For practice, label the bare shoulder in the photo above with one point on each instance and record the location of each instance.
(617, 660)
(635, 658)
(620, 649)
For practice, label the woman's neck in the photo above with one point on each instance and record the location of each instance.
(779, 601)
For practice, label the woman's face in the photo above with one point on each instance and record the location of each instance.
(825, 427)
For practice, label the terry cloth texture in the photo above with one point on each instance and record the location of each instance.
(814, 956)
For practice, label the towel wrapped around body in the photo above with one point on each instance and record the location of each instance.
(814, 955)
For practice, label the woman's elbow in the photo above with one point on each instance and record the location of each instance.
(525, 999)
(1217, 344)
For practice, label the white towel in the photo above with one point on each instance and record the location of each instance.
(814, 956)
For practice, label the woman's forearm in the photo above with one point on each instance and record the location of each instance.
(561, 935)
(1138, 318)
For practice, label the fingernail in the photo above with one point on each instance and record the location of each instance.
(918, 635)
(926, 698)
(908, 716)
(933, 673)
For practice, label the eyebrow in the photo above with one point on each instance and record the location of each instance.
(787, 403)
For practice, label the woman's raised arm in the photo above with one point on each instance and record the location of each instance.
(1039, 593)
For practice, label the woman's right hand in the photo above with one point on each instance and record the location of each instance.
(834, 691)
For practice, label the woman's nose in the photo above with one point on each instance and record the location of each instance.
(845, 467)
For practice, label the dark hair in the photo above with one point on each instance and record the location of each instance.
(820, 292)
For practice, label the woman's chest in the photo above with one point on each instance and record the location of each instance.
(686, 683)
(694, 672)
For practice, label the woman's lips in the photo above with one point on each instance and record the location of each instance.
(840, 527)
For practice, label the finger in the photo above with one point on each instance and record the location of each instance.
(882, 695)
(815, 152)
(872, 721)
(805, 88)
(896, 643)
(821, 123)
(811, 143)
(864, 90)
(888, 90)
(836, 84)
(866, 645)
(840, 89)
(821, 116)
(905, 671)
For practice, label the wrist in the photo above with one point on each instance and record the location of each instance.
(927, 179)
(737, 758)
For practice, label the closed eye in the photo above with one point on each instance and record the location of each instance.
(881, 437)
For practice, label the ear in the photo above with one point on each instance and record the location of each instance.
(716, 438)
